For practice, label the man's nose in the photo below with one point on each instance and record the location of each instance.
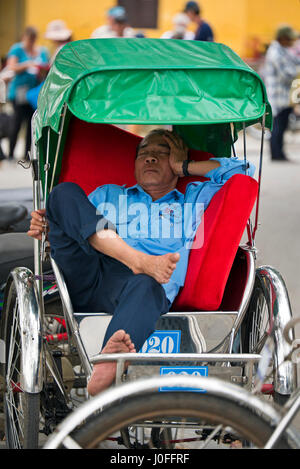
(151, 158)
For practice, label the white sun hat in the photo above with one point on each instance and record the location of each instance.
(57, 31)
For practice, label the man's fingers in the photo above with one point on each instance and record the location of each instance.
(35, 227)
(39, 213)
(175, 139)
(38, 224)
(36, 234)
(37, 216)
(38, 220)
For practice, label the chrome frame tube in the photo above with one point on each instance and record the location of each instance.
(181, 357)
(244, 146)
(250, 258)
(70, 319)
(64, 112)
(259, 174)
(54, 371)
(36, 204)
(285, 381)
(283, 424)
(46, 168)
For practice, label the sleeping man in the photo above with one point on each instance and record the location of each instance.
(130, 266)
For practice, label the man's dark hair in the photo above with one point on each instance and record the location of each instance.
(158, 131)
(192, 6)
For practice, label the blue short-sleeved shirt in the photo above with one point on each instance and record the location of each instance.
(204, 33)
(168, 224)
(28, 78)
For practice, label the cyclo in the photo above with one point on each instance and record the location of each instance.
(227, 305)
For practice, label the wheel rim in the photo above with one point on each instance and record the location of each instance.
(14, 396)
(260, 325)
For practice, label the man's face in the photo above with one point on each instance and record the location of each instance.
(286, 42)
(152, 167)
(192, 15)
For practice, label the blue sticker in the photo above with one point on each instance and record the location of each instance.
(162, 342)
(183, 371)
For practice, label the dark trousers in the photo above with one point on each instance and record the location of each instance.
(2, 156)
(97, 282)
(280, 125)
(22, 114)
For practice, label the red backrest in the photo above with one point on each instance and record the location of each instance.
(97, 154)
(224, 222)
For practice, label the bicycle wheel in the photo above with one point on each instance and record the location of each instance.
(224, 414)
(21, 409)
(190, 420)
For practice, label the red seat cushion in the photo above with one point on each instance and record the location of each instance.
(224, 222)
(97, 154)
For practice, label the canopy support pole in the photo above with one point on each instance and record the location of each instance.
(58, 145)
(260, 172)
(34, 157)
(249, 223)
(46, 168)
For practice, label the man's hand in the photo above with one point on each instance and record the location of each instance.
(38, 224)
(178, 152)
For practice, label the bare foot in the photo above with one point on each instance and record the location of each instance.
(158, 267)
(104, 373)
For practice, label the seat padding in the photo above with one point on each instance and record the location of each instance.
(224, 222)
(97, 154)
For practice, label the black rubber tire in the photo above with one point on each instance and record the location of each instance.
(248, 425)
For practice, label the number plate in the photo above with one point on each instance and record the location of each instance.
(183, 371)
(162, 342)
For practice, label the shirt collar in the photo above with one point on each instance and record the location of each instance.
(175, 192)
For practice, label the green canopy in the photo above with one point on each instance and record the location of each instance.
(201, 88)
(150, 81)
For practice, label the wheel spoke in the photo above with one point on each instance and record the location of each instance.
(211, 436)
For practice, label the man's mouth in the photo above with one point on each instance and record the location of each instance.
(150, 170)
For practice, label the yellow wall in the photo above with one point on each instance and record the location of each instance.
(264, 16)
(234, 21)
(11, 23)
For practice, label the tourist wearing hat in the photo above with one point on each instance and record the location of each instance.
(58, 33)
(204, 31)
(181, 22)
(117, 25)
(279, 72)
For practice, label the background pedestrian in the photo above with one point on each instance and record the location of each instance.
(24, 59)
(204, 31)
(279, 72)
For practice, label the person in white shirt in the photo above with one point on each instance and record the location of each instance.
(279, 72)
(181, 22)
(117, 25)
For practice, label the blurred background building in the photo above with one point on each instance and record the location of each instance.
(247, 26)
